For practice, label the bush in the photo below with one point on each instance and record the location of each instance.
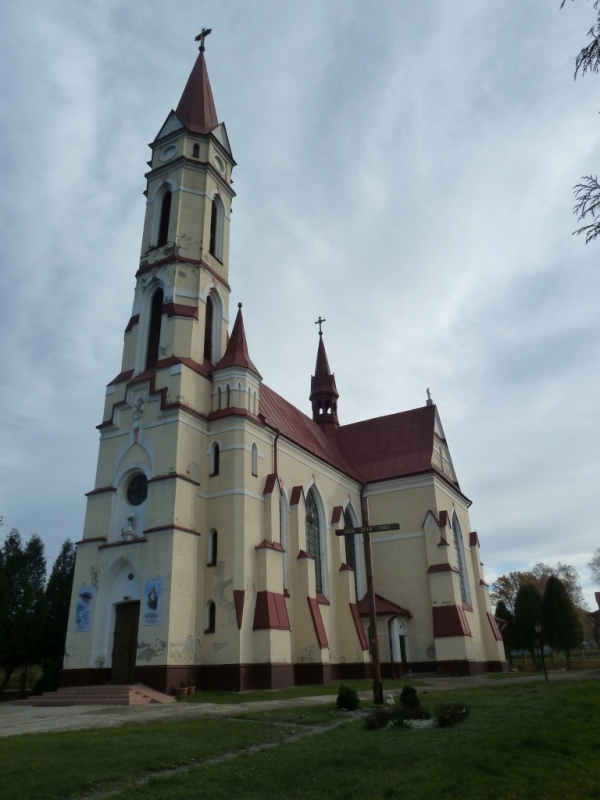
(450, 714)
(378, 718)
(398, 724)
(412, 713)
(347, 699)
(409, 697)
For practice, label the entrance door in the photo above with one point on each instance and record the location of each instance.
(403, 652)
(125, 642)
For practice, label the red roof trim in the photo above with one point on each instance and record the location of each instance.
(270, 483)
(171, 476)
(443, 543)
(346, 568)
(180, 310)
(101, 490)
(315, 613)
(172, 528)
(441, 568)
(337, 514)
(358, 625)
(239, 595)
(449, 621)
(270, 612)
(278, 547)
(303, 554)
(297, 493)
(90, 541)
(494, 626)
(139, 540)
(322, 600)
(264, 545)
(383, 607)
(122, 376)
(473, 539)
(483, 583)
(132, 321)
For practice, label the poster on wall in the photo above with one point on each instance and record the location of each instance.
(152, 601)
(83, 609)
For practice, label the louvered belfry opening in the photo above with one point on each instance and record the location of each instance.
(165, 216)
(154, 331)
(213, 228)
(208, 326)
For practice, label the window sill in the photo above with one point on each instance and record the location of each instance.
(322, 600)
(209, 630)
(212, 564)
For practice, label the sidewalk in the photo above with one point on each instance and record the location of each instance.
(16, 720)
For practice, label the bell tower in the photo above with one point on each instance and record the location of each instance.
(323, 391)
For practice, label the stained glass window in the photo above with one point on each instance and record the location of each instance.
(313, 536)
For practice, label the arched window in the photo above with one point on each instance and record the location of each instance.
(227, 396)
(283, 539)
(165, 216)
(313, 536)
(154, 329)
(350, 544)
(214, 459)
(254, 452)
(459, 550)
(208, 329)
(216, 228)
(196, 151)
(249, 399)
(210, 618)
(212, 548)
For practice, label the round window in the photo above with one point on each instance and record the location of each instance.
(137, 491)
(219, 164)
(167, 153)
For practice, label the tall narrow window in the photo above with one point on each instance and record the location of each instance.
(196, 151)
(208, 329)
(227, 396)
(313, 537)
(254, 452)
(217, 214)
(283, 540)
(459, 551)
(154, 329)
(165, 216)
(350, 543)
(212, 548)
(214, 459)
(219, 399)
(211, 617)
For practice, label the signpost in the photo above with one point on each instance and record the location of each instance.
(366, 531)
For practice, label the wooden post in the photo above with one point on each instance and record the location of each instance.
(374, 643)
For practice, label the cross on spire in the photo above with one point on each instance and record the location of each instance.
(319, 322)
(201, 37)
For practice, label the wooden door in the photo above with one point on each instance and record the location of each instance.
(125, 642)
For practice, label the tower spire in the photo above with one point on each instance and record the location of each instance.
(236, 354)
(196, 108)
(323, 391)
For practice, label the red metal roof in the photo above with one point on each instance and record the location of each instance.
(196, 109)
(382, 607)
(377, 449)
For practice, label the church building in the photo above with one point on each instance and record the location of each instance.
(209, 552)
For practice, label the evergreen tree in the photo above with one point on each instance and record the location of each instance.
(22, 622)
(528, 611)
(562, 627)
(57, 600)
(508, 632)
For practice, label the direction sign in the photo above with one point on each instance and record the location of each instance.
(392, 526)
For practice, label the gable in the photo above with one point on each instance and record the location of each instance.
(220, 135)
(172, 123)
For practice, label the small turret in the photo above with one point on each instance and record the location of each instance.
(323, 392)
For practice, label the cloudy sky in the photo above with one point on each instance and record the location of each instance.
(404, 170)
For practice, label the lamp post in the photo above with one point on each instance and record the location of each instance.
(538, 630)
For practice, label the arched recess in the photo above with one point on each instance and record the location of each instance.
(162, 199)
(254, 458)
(217, 228)
(316, 540)
(128, 519)
(114, 586)
(144, 303)
(213, 543)
(461, 563)
(213, 325)
(215, 458)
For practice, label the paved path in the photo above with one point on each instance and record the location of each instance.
(15, 720)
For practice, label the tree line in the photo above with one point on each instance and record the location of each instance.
(546, 596)
(34, 608)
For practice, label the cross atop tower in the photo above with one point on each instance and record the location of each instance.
(319, 322)
(201, 37)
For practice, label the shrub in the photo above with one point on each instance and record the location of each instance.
(412, 713)
(450, 714)
(409, 697)
(398, 724)
(347, 699)
(378, 718)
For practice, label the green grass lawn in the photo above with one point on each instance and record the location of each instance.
(45, 766)
(295, 691)
(520, 741)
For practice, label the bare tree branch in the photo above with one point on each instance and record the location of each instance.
(587, 195)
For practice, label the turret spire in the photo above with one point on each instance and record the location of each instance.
(236, 354)
(323, 391)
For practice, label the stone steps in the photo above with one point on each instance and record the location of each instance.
(137, 695)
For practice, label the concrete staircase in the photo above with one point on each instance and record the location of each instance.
(133, 695)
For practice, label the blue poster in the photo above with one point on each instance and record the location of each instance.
(83, 609)
(152, 601)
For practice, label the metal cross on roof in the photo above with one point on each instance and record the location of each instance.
(319, 322)
(201, 37)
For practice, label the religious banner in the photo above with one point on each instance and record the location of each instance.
(83, 609)
(152, 601)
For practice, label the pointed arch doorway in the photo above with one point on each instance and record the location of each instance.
(124, 651)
